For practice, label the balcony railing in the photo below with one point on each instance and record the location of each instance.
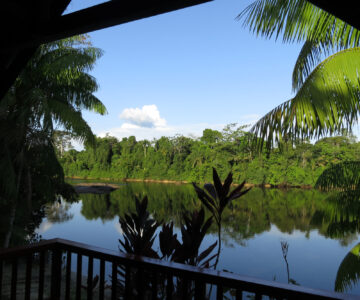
(61, 269)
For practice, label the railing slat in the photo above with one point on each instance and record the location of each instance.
(1, 276)
(185, 288)
(90, 278)
(140, 286)
(102, 280)
(238, 294)
(78, 276)
(154, 285)
(169, 287)
(68, 276)
(114, 280)
(14, 278)
(28, 276)
(199, 290)
(127, 282)
(41, 275)
(219, 292)
(258, 296)
(202, 277)
(55, 274)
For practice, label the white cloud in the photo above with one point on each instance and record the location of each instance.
(146, 123)
(148, 116)
(44, 226)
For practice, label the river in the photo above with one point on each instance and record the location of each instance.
(322, 236)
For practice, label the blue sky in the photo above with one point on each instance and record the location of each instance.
(187, 70)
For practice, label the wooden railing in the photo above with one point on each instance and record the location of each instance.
(55, 269)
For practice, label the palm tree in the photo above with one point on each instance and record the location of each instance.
(50, 92)
(327, 91)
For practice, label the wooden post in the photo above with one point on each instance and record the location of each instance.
(90, 278)
(68, 276)
(14, 279)
(55, 274)
(41, 275)
(1, 276)
(113, 280)
(102, 280)
(78, 276)
(28, 276)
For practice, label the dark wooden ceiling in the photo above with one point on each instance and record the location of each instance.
(25, 24)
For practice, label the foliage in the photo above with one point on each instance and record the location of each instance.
(50, 92)
(193, 232)
(217, 196)
(139, 235)
(182, 158)
(348, 274)
(300, 21)
(343, 176)
(327, 92)
(326, 103)
(138, 231)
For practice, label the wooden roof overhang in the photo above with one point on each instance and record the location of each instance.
(25, 24)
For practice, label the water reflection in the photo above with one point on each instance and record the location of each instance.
(321, 230)
(348, 274)
(254, 214)
(58, 212)
(285, 250)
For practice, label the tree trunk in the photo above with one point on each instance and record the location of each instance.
(29, 190)
(14, 204)
(11, 226)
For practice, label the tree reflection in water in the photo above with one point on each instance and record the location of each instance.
(58, 212)
(284, 250)
(254, 214)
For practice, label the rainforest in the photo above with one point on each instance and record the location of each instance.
(181, 158)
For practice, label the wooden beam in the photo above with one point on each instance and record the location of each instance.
(346, 10)
(13, 61)
(94, 18)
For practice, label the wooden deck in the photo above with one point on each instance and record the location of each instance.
(61, 269)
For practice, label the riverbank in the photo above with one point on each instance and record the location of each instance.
(164, 181)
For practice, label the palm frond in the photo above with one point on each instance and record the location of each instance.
(297, 21)
(65, 114)
(348, 274)
(311, 54)
(327, 103)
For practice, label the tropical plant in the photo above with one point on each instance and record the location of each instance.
(139, 231)
(215, 197)
(50, 92)
(326, 99)
(326, 104)
(139, 235)
(193, 232)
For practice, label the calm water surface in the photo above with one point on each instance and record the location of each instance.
(322, 235)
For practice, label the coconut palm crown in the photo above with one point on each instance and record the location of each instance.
(327, 91)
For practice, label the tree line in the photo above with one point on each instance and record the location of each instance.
(191, 159)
